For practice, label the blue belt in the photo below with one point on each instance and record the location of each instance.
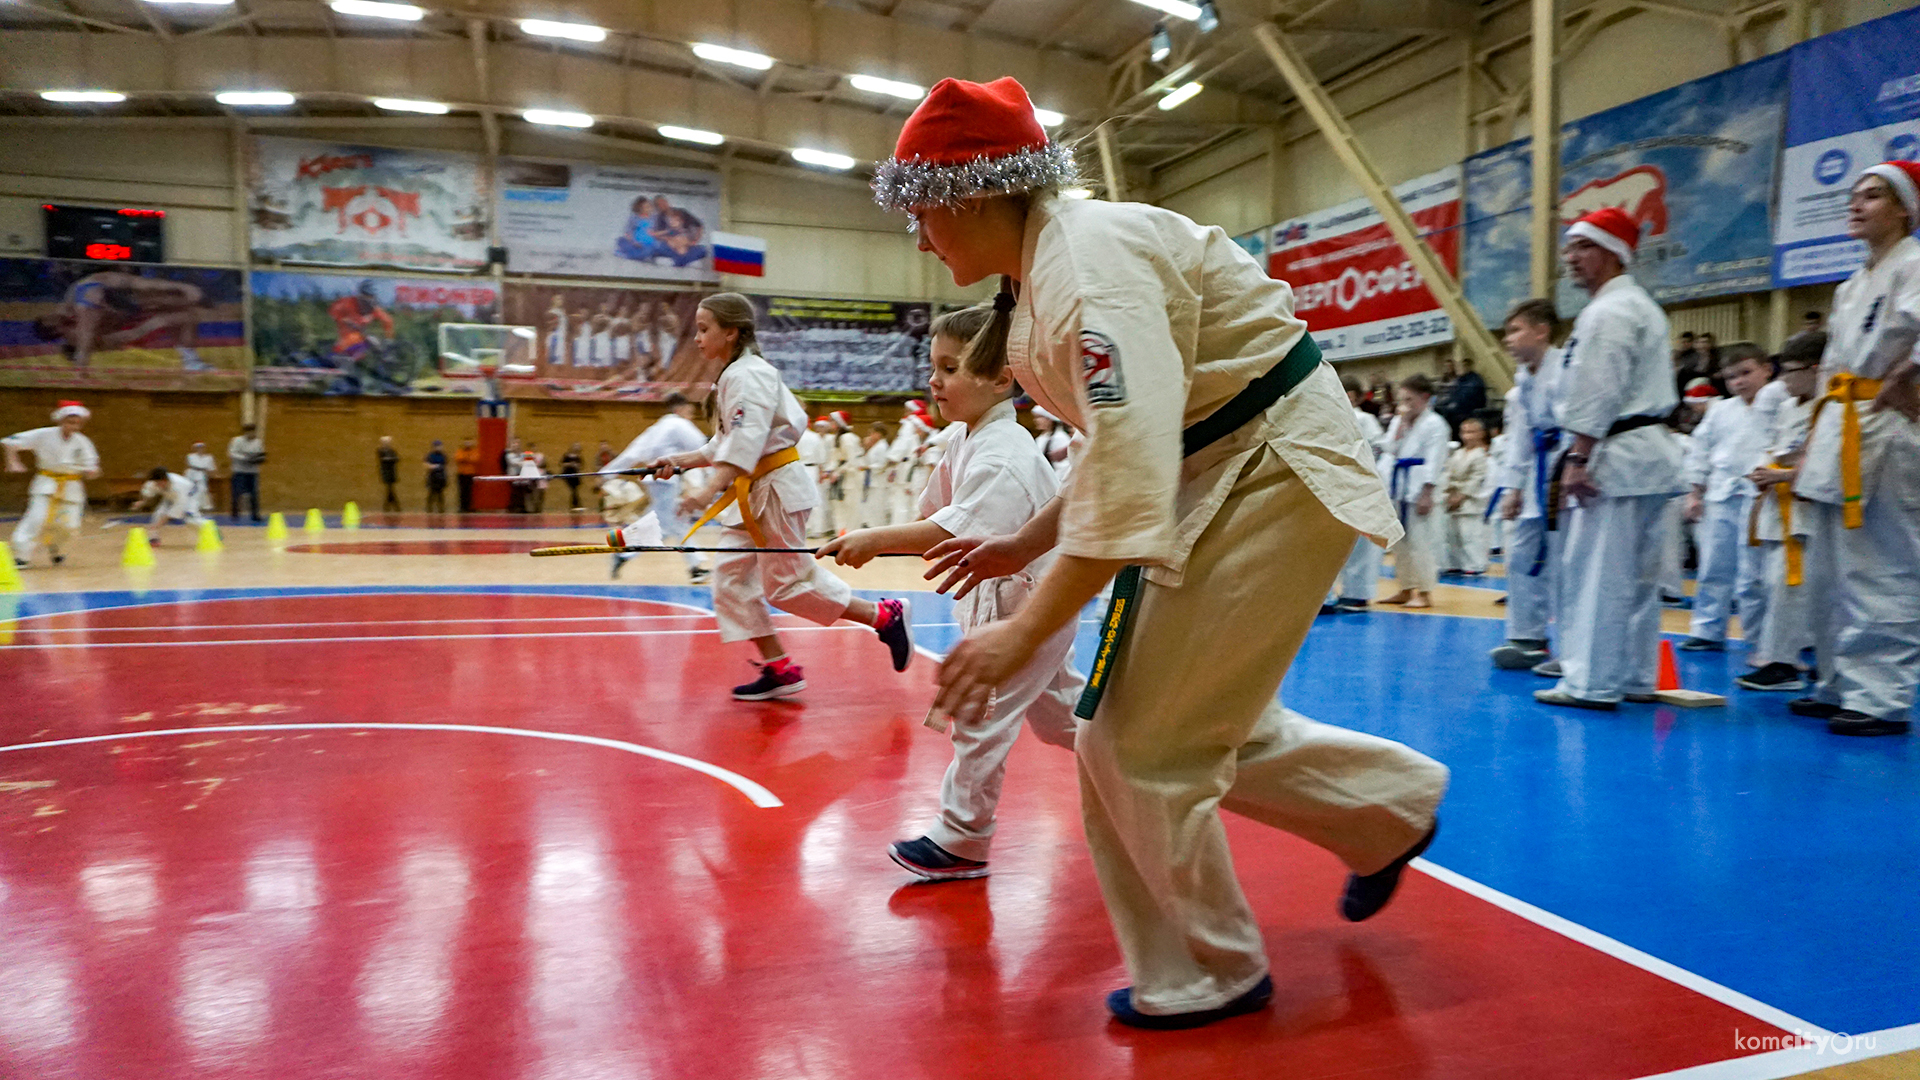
(1493, 501)
(1401, 467)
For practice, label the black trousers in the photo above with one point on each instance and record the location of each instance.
(466, 494)
(247, 485)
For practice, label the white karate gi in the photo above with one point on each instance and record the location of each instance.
(1466, 526)
(671, 434)
(1496, 525)
(1531, 550)
(200, 466)
(991, 482)
(875, 492)
(179, 500)
(760, 416)
(1054, 444)
(897, 505)
(1789, 625)
(1361, 575)
(814, 449)
(1411, 457)
(58, 491)
(1617, 366)
(1132, 324)
(849, 478)
(1863, 580)
(1730, 442)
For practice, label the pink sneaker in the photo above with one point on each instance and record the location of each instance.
(790, 679)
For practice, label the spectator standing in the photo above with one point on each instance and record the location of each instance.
(245, 454)
(466, 464)
(436, 462)
(389, 459)
(572, 464)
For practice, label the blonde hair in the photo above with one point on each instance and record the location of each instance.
(986, 353)
(732, 311)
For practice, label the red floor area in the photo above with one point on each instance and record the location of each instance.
(398, 904)
(421, 547)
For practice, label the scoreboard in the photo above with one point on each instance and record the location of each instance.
(104, 234)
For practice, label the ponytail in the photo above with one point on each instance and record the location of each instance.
(986, 355)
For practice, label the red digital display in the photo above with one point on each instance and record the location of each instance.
(124, 212)
(127, 234)
(109, 252)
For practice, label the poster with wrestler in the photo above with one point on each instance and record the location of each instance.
(602, 344)
(76, 324)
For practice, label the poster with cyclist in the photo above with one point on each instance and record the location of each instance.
(360, 334)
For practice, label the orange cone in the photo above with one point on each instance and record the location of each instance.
(1669, 667)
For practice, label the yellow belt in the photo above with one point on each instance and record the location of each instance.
(1783, 496)
(1846, 389)
(61, 479)
(737, 492)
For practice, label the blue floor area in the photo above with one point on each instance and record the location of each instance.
(1743, 844)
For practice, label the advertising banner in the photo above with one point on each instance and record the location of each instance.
(1694, 166)
(342, 334)
(608, 220)
(1855, 102)
(867, 346)
(335, 205)
(1499, 203)
(608, 344)
(1352, 282)
(77, 325)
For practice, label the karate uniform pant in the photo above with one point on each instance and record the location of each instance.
(744, 584)
(1533, 601)
(1414, 555)
(904, 497)
(63, 515)
(1610, 596)
(1043, 694)
(1729, 573)
(874, 497)
(1466, 542)
(1673, 553)
(1789, 625)
(846, 507)
(187, 513)
(821, 523)
(1866, 584)
(664, 495)
(1360, 577)
(1189, 725)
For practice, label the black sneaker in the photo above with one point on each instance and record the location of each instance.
(772, 684)
(1329, 609)
(931, 862)
(1814, 707)
(699, 574)
(1775, 676)
(1351, 605)
(1700, 644)
(1548, 670)
(1120, 1004)
(896, 631)
(1365, 896)
(1849, 722)
(1519, 655)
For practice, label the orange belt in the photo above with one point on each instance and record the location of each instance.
(737, 493)
(1783, 495)
(1846, 389)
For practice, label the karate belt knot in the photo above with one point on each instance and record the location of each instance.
(1847, 388)
(61, 480)
(737, 493)
(1401, 467)
(1783, 495)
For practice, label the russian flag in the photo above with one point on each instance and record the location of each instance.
(736, 254)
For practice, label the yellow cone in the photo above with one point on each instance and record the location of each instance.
(139, 550)
(276, 526)
(350, 516)
(9, 575)
(209, 537)
(315, 523)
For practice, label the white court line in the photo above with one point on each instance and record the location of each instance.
(352, 622)
(430, 637)
(1814, 1054)
(761, 796)
(307, 592)
(1620, 950)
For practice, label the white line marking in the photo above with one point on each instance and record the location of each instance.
(348, 639)
(320, 592)
(1620, 950)
(1777, 1064)
(352, 622)
(761, 796)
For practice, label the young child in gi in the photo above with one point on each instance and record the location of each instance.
(991, 480)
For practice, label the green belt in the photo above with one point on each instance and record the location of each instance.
(1254, 399)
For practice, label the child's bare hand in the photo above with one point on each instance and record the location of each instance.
(856, 549)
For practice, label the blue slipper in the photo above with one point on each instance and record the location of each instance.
(1120, 1004)
(1365, 896)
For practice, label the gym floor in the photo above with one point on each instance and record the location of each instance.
(403, 802)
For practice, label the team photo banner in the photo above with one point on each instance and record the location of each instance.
(346, 334)
(1354, 284)
(1855, 102)
(339, 205)
(88, 325)
(615, 221)
(601, 344)
(849, 346)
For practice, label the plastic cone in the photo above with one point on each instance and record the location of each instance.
(276, 526)
(9, 574)
(315, 523)
(1669, 667)
(139, 550)
(209, 537)
(350, 516)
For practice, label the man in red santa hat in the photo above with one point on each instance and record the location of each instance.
(1615, 395)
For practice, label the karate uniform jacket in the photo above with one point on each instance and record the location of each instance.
(1530, 409)
(74, 454)
(1728, 443)
(1875, 324)
(1616, 365)
(760, 416)
(991, 481)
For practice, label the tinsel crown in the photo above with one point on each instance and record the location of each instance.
(917, 183)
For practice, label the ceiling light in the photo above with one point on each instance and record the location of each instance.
(372, 9)
(720, 54)
(432, 108)
(905, 91)
(822, 158)
(1179, 9)
(1076, 193)
(1177, 98)
(692, 135)
(570, 31)
(1048, 118)
(76, 97)
(1162, 44)
(555, 118)
(254, 97)
(1209, 19)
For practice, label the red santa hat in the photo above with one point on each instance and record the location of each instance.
(70, 408)
(840, 418)
(917, 407)
(919, 420)
(970, 140)
(1701, 388)
(1611, 228)
(1904, 178)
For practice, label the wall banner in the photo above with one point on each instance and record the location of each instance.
(601, 344)
(83, 325)
(608, 220)
(344, 334)
(862, 346)
(337, 205)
